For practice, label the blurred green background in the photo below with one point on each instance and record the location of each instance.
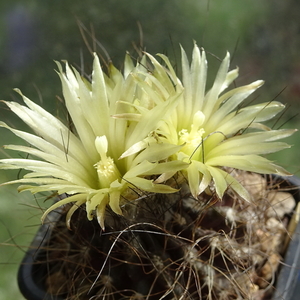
(262, 36)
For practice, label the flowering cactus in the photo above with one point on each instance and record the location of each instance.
(135, 130)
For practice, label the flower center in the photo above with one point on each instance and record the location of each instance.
(106, 168)
(107, 172)
(194, 138)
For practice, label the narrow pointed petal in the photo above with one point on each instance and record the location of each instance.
(219, 181)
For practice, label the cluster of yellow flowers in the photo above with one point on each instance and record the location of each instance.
(137, 129)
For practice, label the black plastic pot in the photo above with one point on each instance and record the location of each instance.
(32, 271)
(288, 283)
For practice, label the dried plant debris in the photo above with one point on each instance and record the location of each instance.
(174, 247)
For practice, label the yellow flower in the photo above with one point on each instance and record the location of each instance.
(215, 131)
(88, 164)
(134, 131)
